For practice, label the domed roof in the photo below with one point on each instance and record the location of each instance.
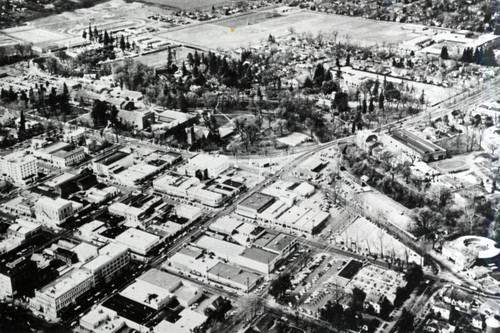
(493, 322)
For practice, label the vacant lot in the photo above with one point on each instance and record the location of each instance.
(188, 4)
(364, 32)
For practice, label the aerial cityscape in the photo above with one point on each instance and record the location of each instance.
(250, 166)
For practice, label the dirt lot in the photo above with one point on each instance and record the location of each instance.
(365, 32)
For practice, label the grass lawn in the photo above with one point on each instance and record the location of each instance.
(365, 32)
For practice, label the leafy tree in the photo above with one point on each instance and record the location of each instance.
(341, 101)
(182, 103)
(98, 113)
(444, 53)
(278, 287)
(122, 43)
(319, 75)
(358, 298)
(381, 100)
(371, 107)
(308, 83)
(406, 322)
(329, 86)
(414, 275)
(22, 122)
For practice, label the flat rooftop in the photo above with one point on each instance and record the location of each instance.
(257, 201)
(219, 247)
(129, 309)
(161, 279)
(234, 274)
(259, 255)
(137, 237)
(279, 242)
(66, 282)
(265, 238)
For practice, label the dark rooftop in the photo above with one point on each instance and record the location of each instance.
(112, 158)
(129, 309)
(257, 201)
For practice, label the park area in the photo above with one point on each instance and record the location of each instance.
(221, 35)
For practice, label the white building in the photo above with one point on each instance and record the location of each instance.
(132, 214)
(102, 320)
(62, 292)
(138, 241)
(53, 211)
(205, 196)
(189, 188)
(111, 262)
(60, 154)
(19, 167)
(74, 135)
(207, 165)
(112, 163)
(188, 322)
(188, 212)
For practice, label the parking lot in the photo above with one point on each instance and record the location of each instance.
(318, 282)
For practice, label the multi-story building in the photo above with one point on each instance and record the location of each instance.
(137, 117)
(19, 167)
(60, 154)
(51, 299)
(53, 211)
(138, 241)
(17, 277)
(112, 163)
(206, 197)
(188, 188)
(111, 262)
(255, 204)
(205, 166)
(132, 214)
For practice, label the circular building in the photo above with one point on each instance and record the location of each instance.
(465, 251)
(492, 325)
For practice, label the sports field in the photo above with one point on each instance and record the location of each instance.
(34, 36)
(364, 32)
(188, 4)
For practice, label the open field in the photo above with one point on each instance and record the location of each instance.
(188, 4)
(108, 15)
(364, 32)
(249, 19)
(34, 36)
